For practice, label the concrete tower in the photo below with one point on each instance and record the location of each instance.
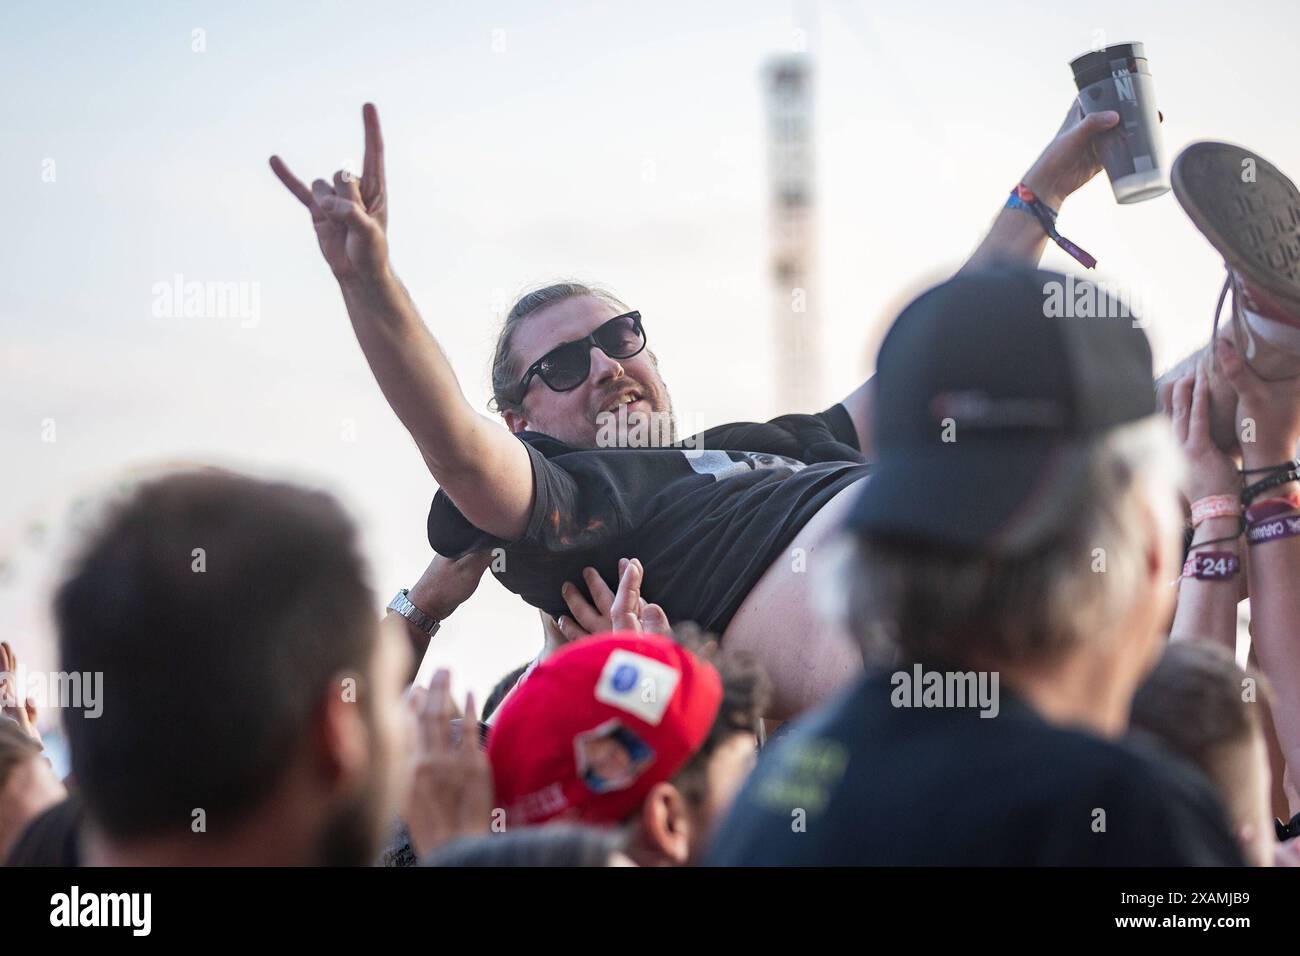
(795, 301)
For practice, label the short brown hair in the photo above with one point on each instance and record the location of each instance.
(214, 671)
(746, 692)
(1194, 702)
(505, 370)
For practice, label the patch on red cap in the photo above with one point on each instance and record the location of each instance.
(597, 725)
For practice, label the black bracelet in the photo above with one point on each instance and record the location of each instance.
(1291, 465)
(1251, 492)
(1189, 532)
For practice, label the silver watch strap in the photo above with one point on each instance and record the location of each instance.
(402, 605)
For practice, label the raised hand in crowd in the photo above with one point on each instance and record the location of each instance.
(350, 215)
(14, 704)
(451, 783)
(1268, 416)
(1211, 472)
(1065, 164)
(1207, 605)
(1070, 160)
(484, 470)
(607, 610)
(1268, 412)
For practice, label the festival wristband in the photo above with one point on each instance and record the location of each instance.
(1212, 566)
(1022, 197)
(1251, 492)
(1215, 506)
(1272, 507)
(1273, 529)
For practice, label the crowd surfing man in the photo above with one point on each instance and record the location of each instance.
(712, 517)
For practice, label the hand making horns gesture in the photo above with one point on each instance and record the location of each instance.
(350, 216)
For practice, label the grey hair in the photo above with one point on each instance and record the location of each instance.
(924, 602)
(505, 370)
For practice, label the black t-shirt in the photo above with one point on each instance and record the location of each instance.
(862, 782)
(705, 517)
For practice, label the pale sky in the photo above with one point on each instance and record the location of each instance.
(614, 142)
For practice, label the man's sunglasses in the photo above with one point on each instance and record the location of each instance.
(567, 366)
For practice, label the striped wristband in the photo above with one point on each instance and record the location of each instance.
(1215, 506)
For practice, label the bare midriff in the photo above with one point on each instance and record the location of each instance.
(806, 658)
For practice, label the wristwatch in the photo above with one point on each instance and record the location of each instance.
(402, 605)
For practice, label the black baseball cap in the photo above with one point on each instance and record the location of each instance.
(989, 390)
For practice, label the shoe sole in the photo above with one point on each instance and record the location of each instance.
(1255, 225)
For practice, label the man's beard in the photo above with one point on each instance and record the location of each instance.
(352, 835)
(654, 429)
(669, 417)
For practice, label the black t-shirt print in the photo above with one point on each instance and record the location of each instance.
(873, 784)
(705, 517)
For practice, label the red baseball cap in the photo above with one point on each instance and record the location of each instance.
(597, 725)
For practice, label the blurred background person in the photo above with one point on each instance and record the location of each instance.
(1205, 709)
(252, 710)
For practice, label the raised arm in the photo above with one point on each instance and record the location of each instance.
(1207, 598)
(1270, 414)
(1016, 237)
(483, 468)
(1067, 163)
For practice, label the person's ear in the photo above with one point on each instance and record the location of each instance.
(343, 739)
(666, 824)
(1160, 556)
(515, 421)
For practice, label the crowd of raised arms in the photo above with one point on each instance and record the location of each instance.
(997, 585)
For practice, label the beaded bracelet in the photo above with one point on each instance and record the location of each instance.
(1251, 492)
(1241, 529)
(1291, 465)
